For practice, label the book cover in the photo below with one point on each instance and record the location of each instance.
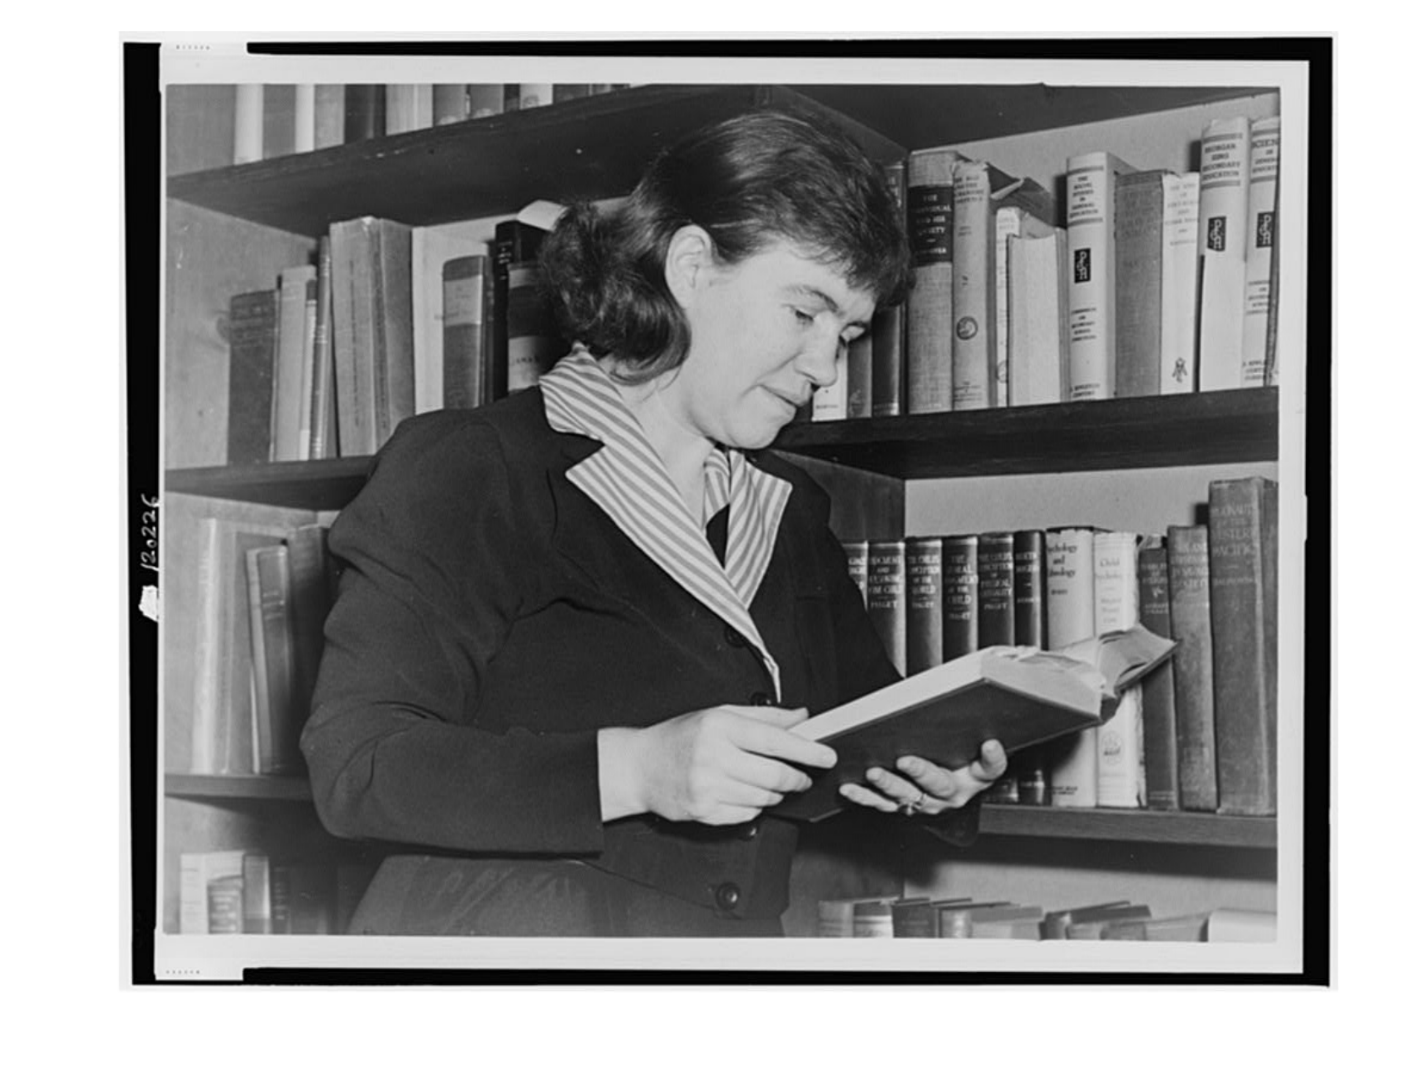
(924, 603)
(1190, 626)
(533, 342)
(1028, 587)
(1093, 925)
(323, 416)
(225, 904)
(305, 124)
(857, 552)
(1056, 922)
(913, 917)
(1006, 923)
(1179, 284)
(1038, 344)
(274, 659)
(889, 325)
(329, 115)
(980, 192)
(257, 893)
(1243, 528)
(887, 597)
(432, 251)
(288, 398)
(930, 177)
(252, 357)
(1157, 692)
(308, 574)
(995, 594)
(1139, 279)
(1019, 696)
(465, 336)
(309, 368)
(960, 634)
(409, 107)
(836, 917)
(1258, 257)
(1223, 215)
(1012, 222)
(1070, 617)
(1090, 239)
(198, 127)
(1181, 927)
(195, 871)
(515, 242)
(1119, 755)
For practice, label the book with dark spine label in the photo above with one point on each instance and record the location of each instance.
(930, 177)
(1090, 239)
(274, 665)
(1190, 626)
(1261, 226)
(857, 565)
(995, 579)
(1223, 213)
(889, 326)
(924, 603)
(887, 597)
(959, 629)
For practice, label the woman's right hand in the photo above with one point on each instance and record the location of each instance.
(720, 766)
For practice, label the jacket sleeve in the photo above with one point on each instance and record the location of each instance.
(431, 581)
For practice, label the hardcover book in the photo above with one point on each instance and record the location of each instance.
(1120, 764)
(889, 325)
(1038, 344)
(1012, 223)
(924, 603)
(252, 362)
(465, 334)
(887, 597)
(1090, 236)
(1070, 617)
(1193, 676)
(1019, 696)
(1223, 213)
(1258, 257)
(1179, 284)
(1139, 281)
(960, 610)
(929, 306)
(1157, 693)
(433, 250)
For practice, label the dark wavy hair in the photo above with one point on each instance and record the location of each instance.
(747, 181)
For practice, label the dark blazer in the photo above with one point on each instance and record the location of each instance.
(491, 619)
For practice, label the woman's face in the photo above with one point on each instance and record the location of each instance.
(764, 333)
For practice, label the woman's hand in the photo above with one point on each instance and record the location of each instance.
(719, 766)
(922, 787)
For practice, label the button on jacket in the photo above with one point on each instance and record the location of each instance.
(491, 618)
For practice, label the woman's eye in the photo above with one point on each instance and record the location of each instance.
(804, 319)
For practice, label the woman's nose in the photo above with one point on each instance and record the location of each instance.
(819, 359)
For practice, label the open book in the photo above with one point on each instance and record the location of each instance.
(1019, 696)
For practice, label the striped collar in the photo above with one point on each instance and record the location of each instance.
(629, 482)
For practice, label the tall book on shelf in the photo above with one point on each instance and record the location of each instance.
(252, 358)
(1119, 752)
(1038, 345)
(960, 607)
(1139, 279)
(889, 325)
(293, 355)
(1223, 213)
(1179, 276)
(1157, 690)
(1090, 236)
(1193, 665)
(887, 597)
(930, 183)
(1012, 223)
(1258, 257)
(432, 250)
(924, 603)
(1070, 617)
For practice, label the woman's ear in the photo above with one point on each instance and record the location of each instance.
(687, 262)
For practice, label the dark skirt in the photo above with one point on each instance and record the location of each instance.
(428, 895)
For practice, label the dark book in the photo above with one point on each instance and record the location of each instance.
(1090, 926)
(252, 366)
(1243, 539)
(1183, 927)
(928, 307)
(561, 93)
(953, 920)
(225, 904)
(924, 603)
(366, 113)
(257, 893)
(515, 242)
(1017, 696)
(274, 660)
(995, 580)
(888, 325)
(532, 339)
(1189, 622)
(280, 886)
(465, 341)
(959, 631)
(1138, 244)
(1028, 587)
(887, 597)
(913, 918)
(1157, 697)
(310, 889)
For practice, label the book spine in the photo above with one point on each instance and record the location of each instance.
(196, 871)
(324, 429)
(995, 577)
(252, 354)
(959, 629)
(257, 894)
(872, 918)
(1119, 767)
(408, 107)
(1193, 660)
(1070, 616)
(329, 115)
(563, 92)
(1090, 229)
(270, 600)
(1179, 284)
(913, 918)
(1028, 548)
(449, 103)
(304, 134)
(924, 603)
(1139, 237)
(1223, 212)
(929, 307)
(465, 287)
(1157, 690)
(973, 293)
(859, 377)
(279, 120)
(887, 597)
(1008, 225)
(353, 337)
(247, 124)
(365, 116)
(287, 400)
(1258, 258)
(208, 671)
(1242, 528)
(309, 369)
(225, 904)
(1038, 342)
(395, 359)
(888, 324)
(857, 565)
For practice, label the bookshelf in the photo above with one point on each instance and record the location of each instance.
(595, 147)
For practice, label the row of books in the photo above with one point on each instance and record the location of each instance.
(1198, 734)
(246, 891)
(1142, 283)
(965, 918)
(391, 321)
(247, 591)
(268, 121)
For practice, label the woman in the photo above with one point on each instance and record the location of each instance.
(574, 627)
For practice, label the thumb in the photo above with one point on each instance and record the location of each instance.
(782, 717)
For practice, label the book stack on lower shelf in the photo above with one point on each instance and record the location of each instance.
(247, 891)
(1199, 736)
(965, 918)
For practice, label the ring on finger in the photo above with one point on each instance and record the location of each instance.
(914, 806)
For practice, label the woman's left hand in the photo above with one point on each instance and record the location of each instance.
(922, 787)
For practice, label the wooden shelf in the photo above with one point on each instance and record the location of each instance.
(237, 787)
(317, 485)
(1149, 827)
(1235, 426)
(590, 148)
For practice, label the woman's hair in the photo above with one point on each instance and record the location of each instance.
(747, 181)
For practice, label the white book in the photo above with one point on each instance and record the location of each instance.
(248, 124)
(289, 400)
(430, 249)
(1090, 239)
(305, 131)
(1179, 281)
(1010, 222)
(1038, 351)
(195, 870)
(1119, 765)
(1223, 214)
(408, 107)
(1260, 236)
(1070, 618)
